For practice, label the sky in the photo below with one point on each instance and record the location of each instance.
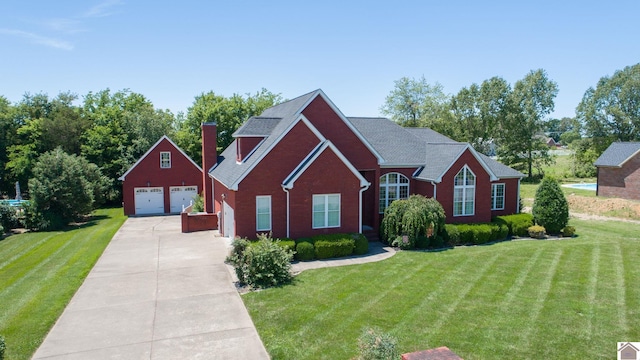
(172, 51)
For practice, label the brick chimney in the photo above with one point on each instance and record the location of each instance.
(209, 158)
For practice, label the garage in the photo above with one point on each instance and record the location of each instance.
(149, 200)
(182, 196)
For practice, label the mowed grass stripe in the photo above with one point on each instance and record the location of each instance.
(13, 248)
(37, 299)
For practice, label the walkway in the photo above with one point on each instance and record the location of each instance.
(156, 294)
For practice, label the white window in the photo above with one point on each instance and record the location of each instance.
(393, 186)
(497, 197)
(263, 213)
(165, 160)
(464, 193)
(326, 211)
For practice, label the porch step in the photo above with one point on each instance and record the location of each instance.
(371, 235)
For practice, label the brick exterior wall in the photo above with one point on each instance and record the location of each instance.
(244, 146)
(621, 182)
(148, 173)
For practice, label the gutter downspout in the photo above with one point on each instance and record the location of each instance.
(434, 190)
(287, 191)
(362, 189)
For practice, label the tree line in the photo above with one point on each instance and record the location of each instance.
(110, 129)
(512, 121)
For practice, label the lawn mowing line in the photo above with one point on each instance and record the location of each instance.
(59, 262)
(592, 289)
(28, 295)
(621, 305)
(461, 295)
(25, 250)
(321, 316)
(510, 295)
(536, 308)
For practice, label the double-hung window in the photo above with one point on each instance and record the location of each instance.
(497, 196)
(263, 213)
(165, 160)
(326, 211)
(464, 192)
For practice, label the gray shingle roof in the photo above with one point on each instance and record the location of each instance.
(429, 135)
(257, 126)
(617, 153)
(501, 170)
(227, 171)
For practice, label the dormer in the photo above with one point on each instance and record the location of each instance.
(251, 134)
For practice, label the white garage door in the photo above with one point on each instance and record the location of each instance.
(182, 196)
(149, 200)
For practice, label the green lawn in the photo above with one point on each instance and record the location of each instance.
(40, 272)
(530, 299)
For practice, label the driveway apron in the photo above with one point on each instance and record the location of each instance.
(156, 293)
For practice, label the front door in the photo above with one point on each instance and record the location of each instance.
(228, 228)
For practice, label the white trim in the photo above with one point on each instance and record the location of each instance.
(287, 191)
(311, 158)
(518, 198)
(169, 159)
(326, 210)
(270, 213)
(627, 159)
(362, 189)
(492, 175)
(464, 192)
(122, 178)
(397, 185)
(504, 196)
(434, 189)
(234, 186)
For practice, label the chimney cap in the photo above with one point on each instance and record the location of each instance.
(209, 123)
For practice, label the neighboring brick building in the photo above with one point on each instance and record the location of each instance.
(302, 168)
(619, 171)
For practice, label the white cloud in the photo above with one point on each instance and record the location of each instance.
(69, 26)
(103, 9)
(39, 39)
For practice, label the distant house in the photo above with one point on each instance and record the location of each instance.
(302, 168)
(619, 171)
(162, 181)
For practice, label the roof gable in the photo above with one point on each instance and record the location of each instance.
(617, 154)
(313, 156)
(144, 156)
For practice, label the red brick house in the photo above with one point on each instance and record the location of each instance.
(619, 171)
(302, 168)
(162, 181)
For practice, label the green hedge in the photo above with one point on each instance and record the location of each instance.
(361, 244)
(477, 234)
(305, 251)
(517, 223)
(334, 248)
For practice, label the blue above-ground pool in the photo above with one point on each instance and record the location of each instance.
(585, 186)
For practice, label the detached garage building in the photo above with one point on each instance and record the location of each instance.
(162, 181)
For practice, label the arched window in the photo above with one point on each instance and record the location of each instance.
(464, 192)
(393, 186)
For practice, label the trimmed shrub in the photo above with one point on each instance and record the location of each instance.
(373, 344)
(536, 231)
(452, 234)
(326, 249)
(436, 242)
(483, 233)
(8, 216)
(3, 347)
(422, 242)
(264, 264)
(550, 207)
(501, 231)
(236, 256)
(568, 231)
(361, 244)
(517, 223)
(287, 244)
(413, 217)
(305, 251)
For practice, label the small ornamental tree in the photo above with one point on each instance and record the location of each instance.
(64, 188)
(407, 220)
(550, 207)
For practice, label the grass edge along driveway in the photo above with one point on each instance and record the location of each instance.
(531, 299)
(39, 274)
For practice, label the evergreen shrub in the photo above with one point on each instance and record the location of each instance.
(550, 207)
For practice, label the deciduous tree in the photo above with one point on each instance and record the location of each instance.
(416, 103)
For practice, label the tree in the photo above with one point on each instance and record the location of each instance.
(477, 112)
(65, 187)
(520, 141)
(407, 220)
(8, 136)
(415, 103)
(550, 207)
(611, 111)
(228, 114)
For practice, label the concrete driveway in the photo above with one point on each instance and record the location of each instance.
(156, 294)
